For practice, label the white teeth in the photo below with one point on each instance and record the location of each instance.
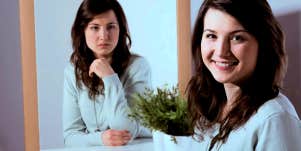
(225, 64)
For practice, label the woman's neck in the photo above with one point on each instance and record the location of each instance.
(232, 92)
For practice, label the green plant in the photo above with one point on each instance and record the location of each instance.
(163, 110)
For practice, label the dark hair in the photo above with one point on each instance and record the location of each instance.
(206, 96)
(82, 56)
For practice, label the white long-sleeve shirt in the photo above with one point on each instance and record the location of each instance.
(111, 109)
(275, 127)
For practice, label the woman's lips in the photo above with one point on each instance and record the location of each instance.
(225, 65)
(103, 45)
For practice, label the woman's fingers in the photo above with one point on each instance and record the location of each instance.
(116, 137)
(101, 68)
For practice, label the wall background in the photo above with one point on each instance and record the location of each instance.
(152, 26)
(289, 16)
(11, 97)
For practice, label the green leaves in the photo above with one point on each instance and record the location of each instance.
(163, 110)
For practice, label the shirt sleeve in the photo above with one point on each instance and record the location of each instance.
(74, 129)
(281, 132)
(118, 97)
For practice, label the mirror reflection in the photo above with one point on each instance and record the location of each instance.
(153, 34)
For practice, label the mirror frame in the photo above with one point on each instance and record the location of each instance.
(184, 43)
(29, 74)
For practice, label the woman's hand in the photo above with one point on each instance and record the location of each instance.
(101, 67)
(112, 137)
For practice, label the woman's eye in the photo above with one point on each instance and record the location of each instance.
(210, 36)
(111, 26)
(238, 38)
(94, 28)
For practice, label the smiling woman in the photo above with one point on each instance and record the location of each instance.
(228, 50)
(234, 96)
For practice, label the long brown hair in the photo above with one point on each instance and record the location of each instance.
(206, 96)
(82, 56)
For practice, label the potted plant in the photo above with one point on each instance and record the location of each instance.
(165, 112)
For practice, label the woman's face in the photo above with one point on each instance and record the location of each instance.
(102, 34)
(228, 50)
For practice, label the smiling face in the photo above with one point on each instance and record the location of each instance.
(102, 34)
(228, 50)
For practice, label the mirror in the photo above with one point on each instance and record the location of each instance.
(153, 28)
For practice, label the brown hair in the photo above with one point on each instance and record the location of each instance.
(206, 96)
(82, 56)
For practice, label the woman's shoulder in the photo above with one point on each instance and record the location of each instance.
(277, 109)
(69, 69)
(279, 105)
(138, 61)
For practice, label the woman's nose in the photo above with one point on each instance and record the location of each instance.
(223, 48)
(103, 33)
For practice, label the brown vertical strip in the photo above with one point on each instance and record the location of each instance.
(184, 35)
(28, 59)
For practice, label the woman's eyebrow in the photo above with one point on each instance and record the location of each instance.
(209, 30)
(240, 30)
(232, 32)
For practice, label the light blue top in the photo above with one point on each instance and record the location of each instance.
(79, 120)
(275, 127)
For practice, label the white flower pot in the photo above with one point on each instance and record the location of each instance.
(163, 142)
